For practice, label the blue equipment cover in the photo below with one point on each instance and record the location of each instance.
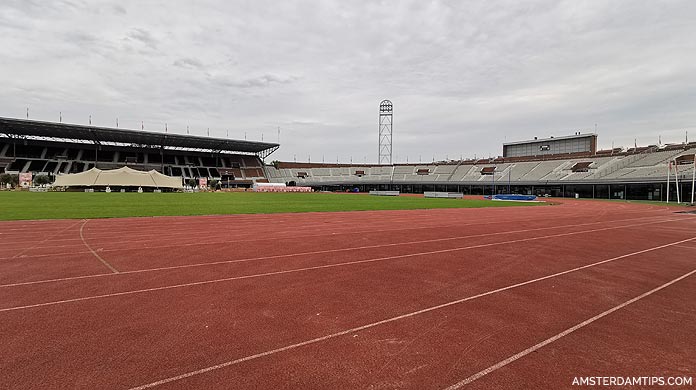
(514, 197)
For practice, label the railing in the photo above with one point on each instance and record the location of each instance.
(455, 170)
(610, 168)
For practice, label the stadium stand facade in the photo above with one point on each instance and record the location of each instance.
(637, 173)
(565, 166)
(57, 148)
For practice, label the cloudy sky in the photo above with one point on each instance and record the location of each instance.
(464, 76)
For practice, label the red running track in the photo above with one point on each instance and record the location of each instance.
(505, 298)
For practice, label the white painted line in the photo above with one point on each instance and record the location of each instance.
(82, 237)
(35, 244)
(346, 249)
(566, 332)
(392, 319)
(251, 237)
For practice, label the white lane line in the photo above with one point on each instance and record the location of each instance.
(250, 238)
(341, 250)
(253, 237)
(392, 319)
(566, 332)
(148, 223)
(82, 237)
(50, 236)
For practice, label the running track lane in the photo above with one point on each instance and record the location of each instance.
(195, 229)
(651, 337)
(131, 259)
(430, 349)
(653, 259)
(476, 252)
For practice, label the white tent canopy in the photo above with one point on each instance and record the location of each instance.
(123, 177)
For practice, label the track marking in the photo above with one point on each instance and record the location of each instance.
(333, 233)
(234, 233)
(82, 237)
(566, 332)
(342, 232)
(675, 229)
(186, 232)
(18, 254)
(349, 249)
(407, 315)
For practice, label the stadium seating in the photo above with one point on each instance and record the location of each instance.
(194, 157)
(647, 164)
(78, 158)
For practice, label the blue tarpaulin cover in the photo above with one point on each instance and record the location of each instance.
(513, 197)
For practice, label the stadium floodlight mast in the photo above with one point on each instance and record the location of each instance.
(385, 132)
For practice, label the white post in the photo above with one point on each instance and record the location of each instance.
(693, 180)
(676, 180)
(669, 168)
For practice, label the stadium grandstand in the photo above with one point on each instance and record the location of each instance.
(567, 166)
(48, 148)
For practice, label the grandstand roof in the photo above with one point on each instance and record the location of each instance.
(98, 135)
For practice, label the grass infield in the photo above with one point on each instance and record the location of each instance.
(58, 205)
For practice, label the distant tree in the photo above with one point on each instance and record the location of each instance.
(275, 163)
(41, 180)
(7, 178)
(212, 184)
(191, 182)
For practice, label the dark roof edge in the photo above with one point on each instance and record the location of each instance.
(111, 134)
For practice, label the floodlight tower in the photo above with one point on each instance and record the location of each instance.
(385, 132)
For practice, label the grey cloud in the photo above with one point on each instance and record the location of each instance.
(142, 36)
(261, 81)
(464, 77)
(119, 9)
(188, 63)
(39, 8)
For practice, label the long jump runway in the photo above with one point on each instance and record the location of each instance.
(501, 298)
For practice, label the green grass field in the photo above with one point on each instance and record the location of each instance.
(54, 205)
